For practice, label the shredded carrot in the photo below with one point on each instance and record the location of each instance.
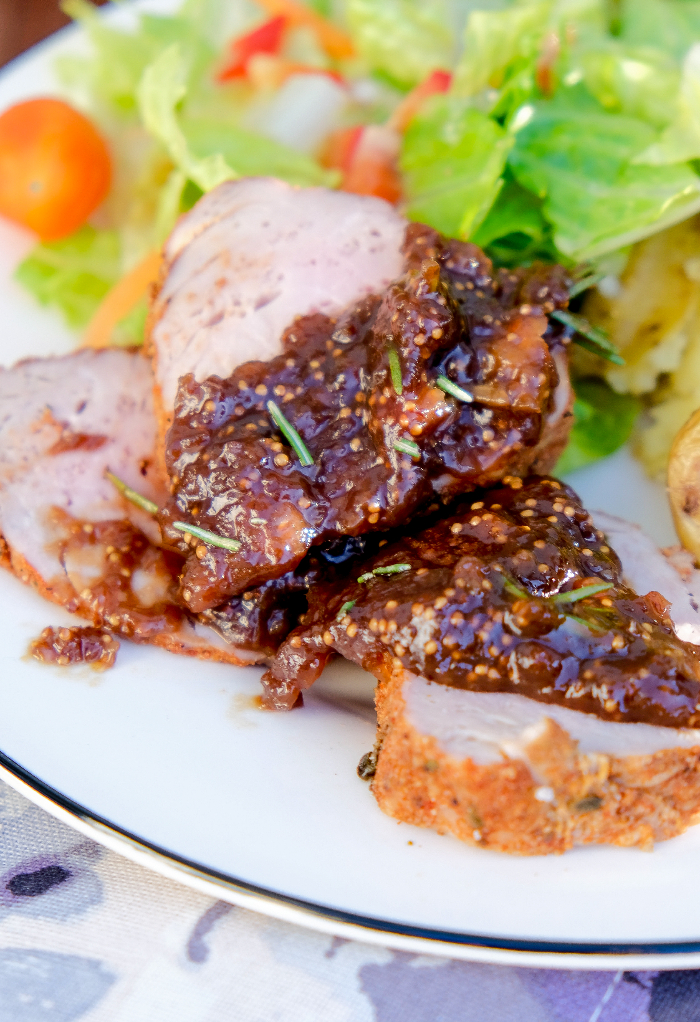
(334, 41)
(120, 300)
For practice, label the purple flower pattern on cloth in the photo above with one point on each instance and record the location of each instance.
(86, 935)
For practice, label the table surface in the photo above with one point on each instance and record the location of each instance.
(25, 22)
(85, 934)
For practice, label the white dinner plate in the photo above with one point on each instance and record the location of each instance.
(168, 761)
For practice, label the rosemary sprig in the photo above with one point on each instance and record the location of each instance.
(592, 626)
(588, 336)
(131, 495)
(579, 286)
(395, 370)
(407, 447)
(574, 595)
(451, 388)
(208, 537)
(514, 590)
(285, 427)
(348, 605)
(387, 569)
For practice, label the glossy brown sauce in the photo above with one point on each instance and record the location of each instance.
(353, 388)
(83, 644)
(474, 610)
(120, 580)
(260, 619)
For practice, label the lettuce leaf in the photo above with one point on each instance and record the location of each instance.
(248, 153)
(515, 211)
(110, 76)
(681, 139)
(668, 25)
(452, 159)
(162, 87)
(494, 39)
(404, 39)
(639, 81)
(73, 275)
(579, 159)
(603, 422)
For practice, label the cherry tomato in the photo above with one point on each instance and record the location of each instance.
(54, 167)
(367, 157)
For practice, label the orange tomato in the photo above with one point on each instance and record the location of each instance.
(54, 167)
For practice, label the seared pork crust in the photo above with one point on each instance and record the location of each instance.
(373, 398)
(548, 799)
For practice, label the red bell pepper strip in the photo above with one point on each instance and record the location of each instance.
(336, 43)
(266, 38)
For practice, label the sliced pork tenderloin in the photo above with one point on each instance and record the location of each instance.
(501, 771)
(417, 394)
(66, 529)
(528, 699)
(250, 257)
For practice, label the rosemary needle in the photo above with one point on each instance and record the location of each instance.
(290, 433)
(208, 537)
(584, 283)
(588, 336)
(147, 505)
(407, 447)
(345, 608)
(574, 595)
(395, 370)
(131, 495)
(451, 388)
(514, 590)
(387, 569)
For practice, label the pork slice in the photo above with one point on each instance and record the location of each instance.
(511, 713)
(645, 778)
(251, 256)
(500, 771)
(67, 531)
(64, 421)
(366, 392)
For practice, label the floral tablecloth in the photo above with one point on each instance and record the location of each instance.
(85, 934)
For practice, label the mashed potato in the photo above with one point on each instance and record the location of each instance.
(652, 313)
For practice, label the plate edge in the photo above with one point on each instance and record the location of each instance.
(324, 919)
(336, 922)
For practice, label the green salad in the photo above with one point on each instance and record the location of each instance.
(563, 130)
